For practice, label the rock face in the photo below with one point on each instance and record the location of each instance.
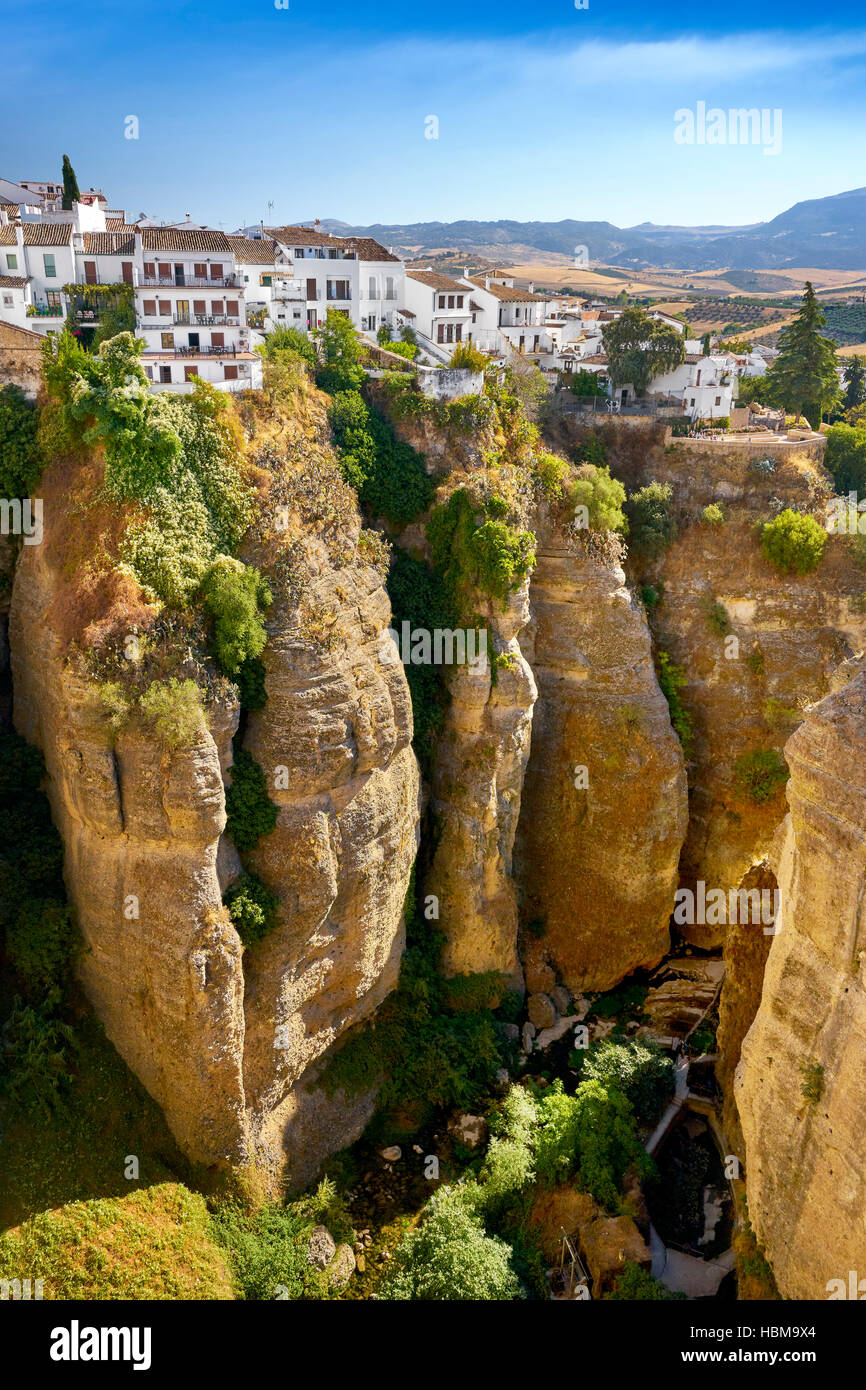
(604, 804)
(478, 778)
(804, 1170)
(747, 946)
(230, 1041)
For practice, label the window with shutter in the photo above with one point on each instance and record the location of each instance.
(200, 270)
(126, 268)
(199, 306)
(189, 373)
(231, 372)
(218, 340)
(216, 308)
(164, 308)
(167, 340)
(149, 307)
(216, 272)
(164, 270)
(311, 290)
(165, 373)
(90, 272)
(440, 333)
(150, 270)
(232, 308)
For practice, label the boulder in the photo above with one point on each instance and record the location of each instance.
(541, 1011)
(321, 1247)
(342, 1266)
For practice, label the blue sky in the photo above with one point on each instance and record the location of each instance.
(544, 111)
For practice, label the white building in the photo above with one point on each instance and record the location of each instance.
(438, 309)
(41, 254)
(190, 309)
(508, 315)
(353, 275)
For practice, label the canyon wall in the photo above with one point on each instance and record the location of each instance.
(800, 1086)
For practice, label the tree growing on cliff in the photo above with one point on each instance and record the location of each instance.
(854, 377)
(71, 192)
(639, 347)
(794, 543)
(802, 380)
(651, 524)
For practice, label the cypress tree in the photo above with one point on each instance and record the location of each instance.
(71, 192)
(803, 378)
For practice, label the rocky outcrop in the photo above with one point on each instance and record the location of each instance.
(604, 803)
(747, 945)
(801, 1083)
(477, 783)
(231, 1041)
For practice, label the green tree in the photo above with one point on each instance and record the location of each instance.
(802, 380)
(854, 377)
(584, 384)
(450, 1256)
(651, 523)
(20, 463)
(639, 347)
(341, 368)
(71, 192)
(845, 457)
(793, 542)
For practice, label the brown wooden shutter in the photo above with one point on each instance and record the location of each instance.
(164, 271)
(218, 340)
(199, 306)
(216, 307)
(150, 308)
(150, 270)
(216, 272)
(90, 272)
(312, 292)
(126, 267)
(200, 271)
(189, 373)
(164, 307)
(232, 308)
(231, 372)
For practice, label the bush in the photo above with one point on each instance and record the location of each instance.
(465, 357)
(813, 1081)
(291, 340)
(38, 1052)
(601, 496)
(268, 1252)
(251, 684)
(717, 618)
(793, 542)
(252, 907)
(450, 1257)
(383, 334)
(174, 710)
(845, 457)
(761, 775)
(233, 595)
(672, 678)
(635, 1283)
(41, 943)
(20, 462)
(418, 596)
(713, 515)
(590, 1137)
(640, 1070)
(651, 524)
(250, 813)
(341, 368)
(476, 551)
(407, 350)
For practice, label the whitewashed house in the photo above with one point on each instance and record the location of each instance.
(505, 313)
(41, 254)
(355, 276)
(438, 308)
(191, 309)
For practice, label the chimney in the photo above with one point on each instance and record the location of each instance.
(487, 282)
(532, 287)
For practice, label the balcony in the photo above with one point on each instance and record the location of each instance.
(44, 311)
(171, 282)
(205, 321)
(198, 352)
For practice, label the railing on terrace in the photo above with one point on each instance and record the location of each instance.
(206, 321)
(190, 282)
(197, 352)
(568, 404)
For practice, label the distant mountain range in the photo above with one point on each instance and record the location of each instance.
(829, 233)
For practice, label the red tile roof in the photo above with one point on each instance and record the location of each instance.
(184, 239)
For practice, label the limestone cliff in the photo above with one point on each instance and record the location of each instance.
(801, 1083)
(604, 804)
(229, 1040)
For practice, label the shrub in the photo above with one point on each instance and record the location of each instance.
(590, 1137)
(813, 1081)
(268, 1252)
(38, 1052)
(41, 943)
(672, 678)
(174, 709)
(250, 813)
(793, 542)
(383, 334)
(640, 1070)
(468, 358)
(475, 551)
(651, 524)
(717, 618)
(252, 907)
(407, 350)
(340, 368)
(845, 457)
(419, 596)
(233, 595)
(450, 1256)
(602, 497)
(713, 515)
(552, 474)
(20, 462)
(635, 1283)
(251, 684)
(761, 775)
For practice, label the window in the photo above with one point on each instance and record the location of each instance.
(7, 299)
(458, 332)
(90, 272)
(218, 340)
(164, 270)
(167, 341)
(390, 292)
(373, 289)
(126, 271)
(266, 279)
(50, 267)
(451, 301)
(216, 272)
(338, 289)
(165, 373)
(149, 270)
(232, 308)
(332, 255)
(199, 307)
(216, 308)
(230, 372)
(149, 307)
(189, 373)
(460, 301)
(165, 308)
(148, 372)
(12, 262)
(52, 299)
(441, 301)
(312, 290)
(440, 333)
(199, 270)
(718, 400)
